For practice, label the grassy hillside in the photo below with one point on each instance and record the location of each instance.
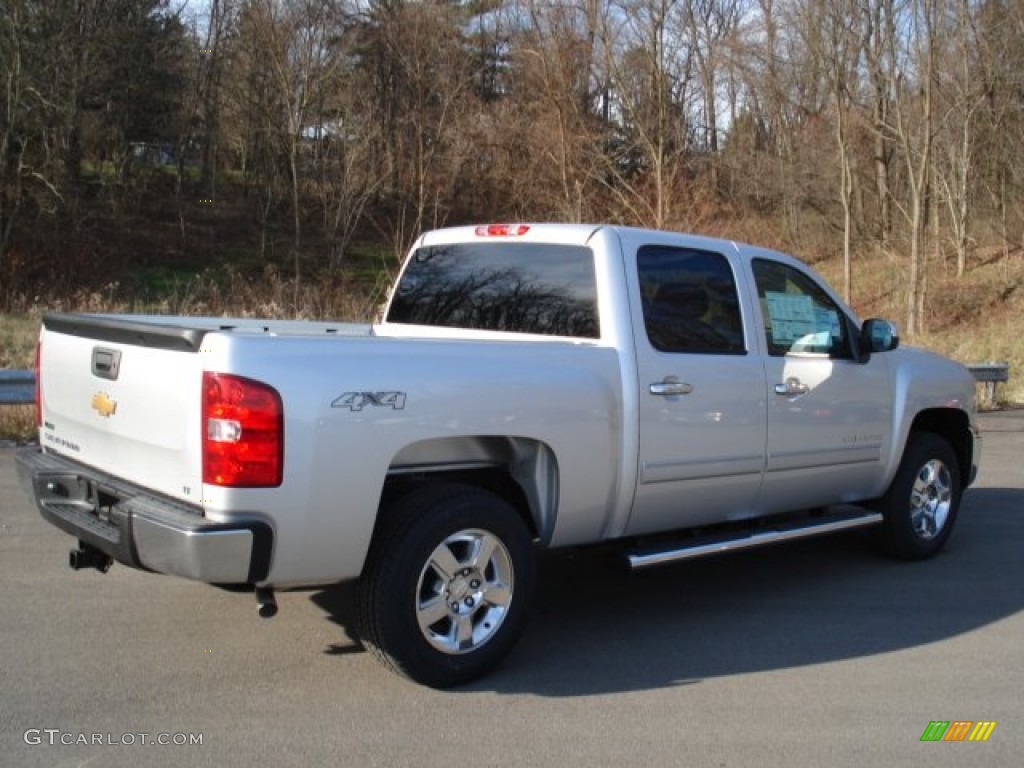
(974, 319)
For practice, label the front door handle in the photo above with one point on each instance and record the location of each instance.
(671, 386)
(791, 388)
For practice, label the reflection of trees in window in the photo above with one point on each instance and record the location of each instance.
(459, 288)
(690, 301)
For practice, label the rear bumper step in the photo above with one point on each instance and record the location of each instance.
(142, 530)
(715, 545)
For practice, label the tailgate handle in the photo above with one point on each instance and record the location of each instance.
(106, 363)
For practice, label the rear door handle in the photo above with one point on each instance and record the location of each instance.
(792, 387)
(671, 386)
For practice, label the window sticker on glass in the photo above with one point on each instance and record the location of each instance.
(827, 321)
(792, 316)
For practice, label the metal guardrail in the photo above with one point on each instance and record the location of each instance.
(18, 387)
(990, 374)
(986, 372)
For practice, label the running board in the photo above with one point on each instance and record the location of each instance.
(714, 545)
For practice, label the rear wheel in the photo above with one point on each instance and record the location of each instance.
(446, 591)
(921, 505)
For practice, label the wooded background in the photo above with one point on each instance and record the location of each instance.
(141, 137)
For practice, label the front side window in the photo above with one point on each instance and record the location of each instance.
(516, 287)
(799, 317)
(689, 301)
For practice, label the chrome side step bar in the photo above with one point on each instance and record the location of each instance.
(714, 545)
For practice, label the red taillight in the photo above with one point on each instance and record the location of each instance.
(243, 432)
(38, 397)
(502, 230)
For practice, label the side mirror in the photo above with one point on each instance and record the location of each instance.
(879, 335)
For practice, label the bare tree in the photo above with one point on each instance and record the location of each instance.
(559, 89)
(292, 55)
(880, 18)
(211, 62)
(413, 69)
(962, 99)
(345, 181)
(834, 35)
(651, 76)
(14, 137)
(912, 57)
(711, 26)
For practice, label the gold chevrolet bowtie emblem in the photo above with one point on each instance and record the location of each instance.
(103, 405)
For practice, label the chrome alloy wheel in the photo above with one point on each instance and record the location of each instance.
(930, 499)
(464, 591)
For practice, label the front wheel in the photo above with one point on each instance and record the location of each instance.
(447, 587)
(921, 505)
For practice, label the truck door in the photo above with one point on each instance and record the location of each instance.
(701, 391)
(828, 414)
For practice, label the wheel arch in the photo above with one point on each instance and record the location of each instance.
(954, 426)
(522, 471)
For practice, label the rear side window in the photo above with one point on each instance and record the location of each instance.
(514, 287)
(689, 301)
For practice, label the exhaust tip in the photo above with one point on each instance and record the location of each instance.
(266, 602)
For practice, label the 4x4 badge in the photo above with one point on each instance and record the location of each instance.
(356, 401)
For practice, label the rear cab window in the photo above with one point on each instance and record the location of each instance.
(536, 288)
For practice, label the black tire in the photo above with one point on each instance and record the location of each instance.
(448, 584)
(921, 505)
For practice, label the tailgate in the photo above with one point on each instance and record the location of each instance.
(125, 397)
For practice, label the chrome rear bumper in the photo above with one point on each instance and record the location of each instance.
(141, 530)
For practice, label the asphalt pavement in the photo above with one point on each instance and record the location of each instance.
(815, 653)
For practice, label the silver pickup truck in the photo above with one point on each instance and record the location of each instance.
(538, 385)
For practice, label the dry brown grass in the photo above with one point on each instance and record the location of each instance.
(18, 334)
(228, 292)
(17, 423)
